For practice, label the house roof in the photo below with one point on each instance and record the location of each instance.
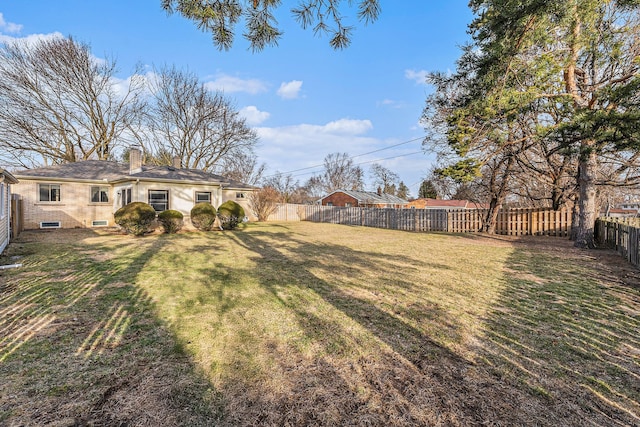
(371, 197)
(113, 172)
(8, 177)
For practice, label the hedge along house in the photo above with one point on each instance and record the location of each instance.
(86, 194)
(362, 199)
(6, 181)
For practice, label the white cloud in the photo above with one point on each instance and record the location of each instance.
(31, 39)
(420, 77)
(253, 115)
(298, 146)
(9, 27)
(230, 84)
(390, 103)
(347, 127)
(290, 90)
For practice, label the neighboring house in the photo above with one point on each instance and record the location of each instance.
(87, 193)
(6, 181)
(634, 206)
(619, 213)
(363, 199)
(446, 204)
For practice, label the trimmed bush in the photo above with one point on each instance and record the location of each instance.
(171, 221)
(203, 216)
(230, 214)
(136, 218)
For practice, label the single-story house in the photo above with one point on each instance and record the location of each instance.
(6, 181)
(445, 204)
(363, 199)
(87, 193)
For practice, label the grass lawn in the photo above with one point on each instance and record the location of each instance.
(316, 324)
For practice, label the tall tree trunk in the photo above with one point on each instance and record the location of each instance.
(498, 195)
(492, 214)
(587, 201)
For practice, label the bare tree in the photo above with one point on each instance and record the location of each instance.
(242, 166)
(285, 185)
(189, 121)
(264, 202)
(341, 173)
(60, 104)
(384, 178)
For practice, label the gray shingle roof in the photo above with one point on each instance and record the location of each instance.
(99, 170)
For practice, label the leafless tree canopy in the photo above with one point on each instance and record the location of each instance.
(384, 178)
(285, 185)
(340, 173)
(191, 122)
(243, 166)
(60, 104)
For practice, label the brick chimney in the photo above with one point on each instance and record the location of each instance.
(135, 160)
(379, 191)
(177, 162)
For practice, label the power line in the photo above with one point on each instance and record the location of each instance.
(351, 158)
(369, 161)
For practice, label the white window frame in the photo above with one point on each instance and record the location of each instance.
(164, 202)
(198, 193)
(102, 189)
(51, 187)
(125, 196)
(241, 195)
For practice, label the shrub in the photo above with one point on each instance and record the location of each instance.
(170, 220)
(136, 218)
(203, 216)
(230, 214)
(264, 202)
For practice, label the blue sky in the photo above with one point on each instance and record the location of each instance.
(304, 99)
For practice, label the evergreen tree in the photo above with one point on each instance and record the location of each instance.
(427, 190)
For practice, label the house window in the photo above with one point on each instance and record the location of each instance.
(203, 197)
(49, 192)
(348, 205)
(99, 194)
(329, 203)
(159, 199)
(240, 195)
(126, 196)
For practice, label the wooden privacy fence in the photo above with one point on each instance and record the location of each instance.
(621, 234)
(510, 221)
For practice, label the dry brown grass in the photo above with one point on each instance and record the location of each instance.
(317, 324)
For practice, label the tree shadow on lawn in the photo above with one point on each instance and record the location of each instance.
(372, 363)
(80, 344)
(567, 328)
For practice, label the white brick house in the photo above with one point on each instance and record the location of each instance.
(87, 193)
